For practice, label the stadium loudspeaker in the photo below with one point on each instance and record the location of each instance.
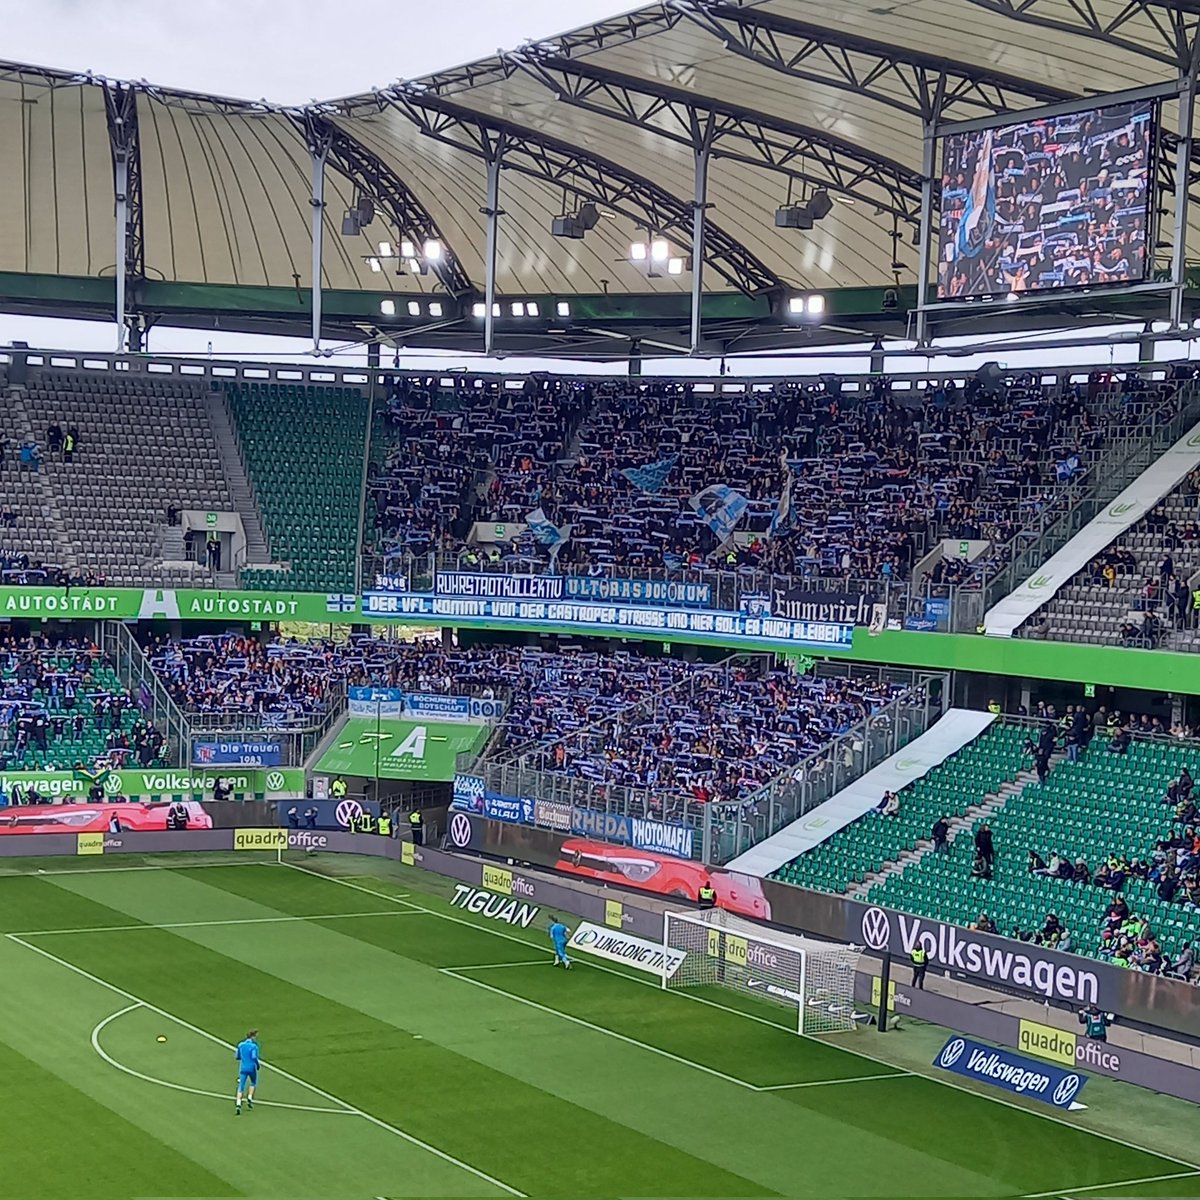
(820, 205)
(990, 375)
(365, 211)
(18, 364)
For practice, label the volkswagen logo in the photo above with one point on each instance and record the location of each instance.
(112, 784)
(347, 811)
(1065, 1092)
(951, 1053)
(274, 781)
(460, 830)
(876, 929)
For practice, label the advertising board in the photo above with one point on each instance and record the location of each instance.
(1011, 1072)
(237, 754)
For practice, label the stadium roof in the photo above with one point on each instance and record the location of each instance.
(790, 95)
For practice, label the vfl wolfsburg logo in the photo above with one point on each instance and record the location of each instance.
(275, 781)
(1119, 510)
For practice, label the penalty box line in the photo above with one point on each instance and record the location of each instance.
(410, 1138)
(684, 995)
(455, 973)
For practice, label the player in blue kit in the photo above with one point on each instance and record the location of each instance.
(559, 934)
(247, 1056)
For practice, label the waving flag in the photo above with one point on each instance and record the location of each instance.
(652, 476)
(720, 508)
(782, 520)
(547, 533)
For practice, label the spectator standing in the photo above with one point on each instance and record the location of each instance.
(940, 834)
(985, 846)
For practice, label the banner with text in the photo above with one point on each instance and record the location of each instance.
(161, 781)
(236, 754)
(577, 615)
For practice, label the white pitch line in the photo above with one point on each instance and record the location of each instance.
(685, 995)
(536, 962)
(1101, 1187)
(612, 1033)
(412, 1139)
(179, 1087)
(787, 1087)
(208, 924)
(120, 870)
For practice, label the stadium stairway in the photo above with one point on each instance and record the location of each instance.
(258, 553)
(947, 736)
(962, 781)
(991, 804)
(41, 531)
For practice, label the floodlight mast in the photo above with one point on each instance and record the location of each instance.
(703, 145)
(494, 158)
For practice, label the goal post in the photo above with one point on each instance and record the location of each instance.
(814, 979)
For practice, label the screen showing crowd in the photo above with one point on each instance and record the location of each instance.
(1060, 202)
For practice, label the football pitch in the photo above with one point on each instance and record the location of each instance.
(410, 1049)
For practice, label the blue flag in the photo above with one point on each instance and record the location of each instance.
(652, 476)
(720, 508)
(546, 532)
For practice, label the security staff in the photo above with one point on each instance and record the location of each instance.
(1095, 1023)
(385, 825)
(416, 826)
(338, 789)
(920, 962)
(994, 707)
(708, 895)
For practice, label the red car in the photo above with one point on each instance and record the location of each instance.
(663, 875)
(95, 818)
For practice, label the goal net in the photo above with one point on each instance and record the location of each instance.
(814, 979)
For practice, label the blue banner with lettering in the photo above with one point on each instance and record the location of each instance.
(639, 832)
(237, 754)
(1056, 1086)
(376, 702)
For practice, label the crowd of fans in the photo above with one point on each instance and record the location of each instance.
(61, 710)
(875, 476)
(690, 730)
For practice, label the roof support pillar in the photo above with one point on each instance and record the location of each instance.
(699, 206)
(926, 233)
(318, 150)
(493, 212)
(1183, 169)
(121, 180)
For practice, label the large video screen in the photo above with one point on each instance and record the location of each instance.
(1062, 202)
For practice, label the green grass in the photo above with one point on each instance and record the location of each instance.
(413, 1051)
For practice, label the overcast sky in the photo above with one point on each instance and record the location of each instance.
(287, 51)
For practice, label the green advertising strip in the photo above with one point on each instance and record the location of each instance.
(174, 604)
(400, 749)
(157, 782)
(1116, 666)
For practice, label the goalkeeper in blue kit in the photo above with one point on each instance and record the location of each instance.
(559, 934)
(247, 1055)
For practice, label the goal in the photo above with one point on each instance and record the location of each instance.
(814, 979)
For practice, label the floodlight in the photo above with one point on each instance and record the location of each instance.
(414, 308)
(435, 308)
(388, 308)
(433, 250)
(795, 304)
(562, 308)
(638, 252)
(531, 309)
(660, 250)
(478, 310)
(518, 309)
(385, 250)
(373, 263)
(674, 266)
(815, 306)
(408, 248)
